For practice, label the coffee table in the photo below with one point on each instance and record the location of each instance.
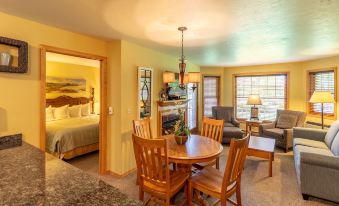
(262, 147)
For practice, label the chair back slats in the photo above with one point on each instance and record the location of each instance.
(142, 128)
(212, 128)
(235, 161)
(152, 160)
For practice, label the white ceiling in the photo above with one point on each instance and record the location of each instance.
(220, 32)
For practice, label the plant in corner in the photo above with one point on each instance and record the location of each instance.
(181, 131)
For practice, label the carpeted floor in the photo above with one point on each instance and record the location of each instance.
(257, 188)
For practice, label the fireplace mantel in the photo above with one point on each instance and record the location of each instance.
(172, 102)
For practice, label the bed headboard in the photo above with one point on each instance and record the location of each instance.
(64, 100)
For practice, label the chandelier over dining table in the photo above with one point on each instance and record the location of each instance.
(184, 78)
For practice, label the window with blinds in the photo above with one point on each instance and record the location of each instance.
(271, 89)
(322, 81)
(211, 94)
(192, 106)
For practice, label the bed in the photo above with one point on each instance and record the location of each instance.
(71, 137)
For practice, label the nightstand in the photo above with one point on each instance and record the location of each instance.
(253, 123)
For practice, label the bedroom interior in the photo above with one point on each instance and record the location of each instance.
(114, 102)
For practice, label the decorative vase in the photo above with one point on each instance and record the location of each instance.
(180, 139)
(5, 58)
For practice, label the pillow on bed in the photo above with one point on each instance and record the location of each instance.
(74, 111)
(49, 113)
(85, 109)
(61, 112)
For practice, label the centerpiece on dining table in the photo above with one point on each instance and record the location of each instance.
(181, 131)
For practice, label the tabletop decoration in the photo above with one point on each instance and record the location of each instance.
(181, 131)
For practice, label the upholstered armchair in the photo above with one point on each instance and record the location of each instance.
(231, 125)
(281, 128)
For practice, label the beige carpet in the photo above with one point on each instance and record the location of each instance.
(257, 188)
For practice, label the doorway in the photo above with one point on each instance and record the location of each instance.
(83, 102)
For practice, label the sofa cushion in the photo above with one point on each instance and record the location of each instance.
(287, 121)
(232, 132)
(331, 133)
(227, 124)
(275, 133)
(335, 145)
(309, 143)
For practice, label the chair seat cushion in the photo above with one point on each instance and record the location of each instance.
(232, 132)
(276, 133)
(309, 143)
(228, 124)
(177, 179)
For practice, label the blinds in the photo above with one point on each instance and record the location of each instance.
(192, 106)
(211, 94)
(270, 88)
(322, 81)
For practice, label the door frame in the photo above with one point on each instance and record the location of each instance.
(103, 99)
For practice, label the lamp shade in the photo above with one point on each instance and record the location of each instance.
(194, 77)
(168, 77)
(254, 100)
(321, 97)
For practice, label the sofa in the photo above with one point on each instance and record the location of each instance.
(231, 125)
(281, 128)
(316, 158)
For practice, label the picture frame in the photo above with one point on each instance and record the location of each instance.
(22, 55)
(145, 92)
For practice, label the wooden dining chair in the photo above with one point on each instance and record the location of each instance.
(142, 128)
(213, 129)
(153, 166)
(216, 184)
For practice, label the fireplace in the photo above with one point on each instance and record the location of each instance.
(168, 114)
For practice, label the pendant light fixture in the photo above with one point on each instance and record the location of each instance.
(184, 79)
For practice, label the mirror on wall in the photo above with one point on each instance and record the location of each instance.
(145, 92)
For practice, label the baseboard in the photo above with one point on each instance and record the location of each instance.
(123, 174)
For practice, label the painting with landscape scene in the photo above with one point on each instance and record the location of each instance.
(65, 85)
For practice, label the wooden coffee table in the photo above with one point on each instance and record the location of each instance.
(262, 147)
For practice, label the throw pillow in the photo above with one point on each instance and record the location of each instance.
(49, 113)
(61, 112)
(85, 109)
(286, 121)
(75, 111)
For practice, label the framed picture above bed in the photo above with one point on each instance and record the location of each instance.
(65, 85)
(145, 92)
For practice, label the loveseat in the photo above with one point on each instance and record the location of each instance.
(316, 158)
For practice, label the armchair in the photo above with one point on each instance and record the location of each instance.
(281, 128)
(231, 125)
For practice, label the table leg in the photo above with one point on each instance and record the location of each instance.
(270, 163)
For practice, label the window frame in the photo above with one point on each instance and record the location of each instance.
(234, 86)
(309, 111)
(203, 89)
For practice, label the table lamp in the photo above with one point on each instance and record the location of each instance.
(322, 97)
(254, 100)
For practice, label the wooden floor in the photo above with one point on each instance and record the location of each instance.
(257, 188)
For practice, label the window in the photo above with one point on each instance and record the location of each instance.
(211, 94)
(323, 80)
(271, 88)
(192, 106)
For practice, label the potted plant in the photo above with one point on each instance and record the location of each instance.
(181, 131)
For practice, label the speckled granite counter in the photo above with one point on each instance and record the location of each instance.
(31, 177)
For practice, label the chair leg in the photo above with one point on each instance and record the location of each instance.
(217, 163)
(141, 193)
(189, 193)
(238, 194)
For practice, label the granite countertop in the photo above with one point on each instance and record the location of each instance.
(29, 176)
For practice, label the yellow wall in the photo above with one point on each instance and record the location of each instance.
(297, 79)
(19, 93)
(75, 71)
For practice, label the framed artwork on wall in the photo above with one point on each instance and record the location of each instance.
(145, 92)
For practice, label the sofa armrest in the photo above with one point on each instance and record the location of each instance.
(319, 160)
(309, 133)
(288, 134)
(264, 126)
(235, 122)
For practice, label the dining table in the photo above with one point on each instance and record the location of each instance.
(197, 149)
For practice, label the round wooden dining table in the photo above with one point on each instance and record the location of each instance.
(197, 149)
